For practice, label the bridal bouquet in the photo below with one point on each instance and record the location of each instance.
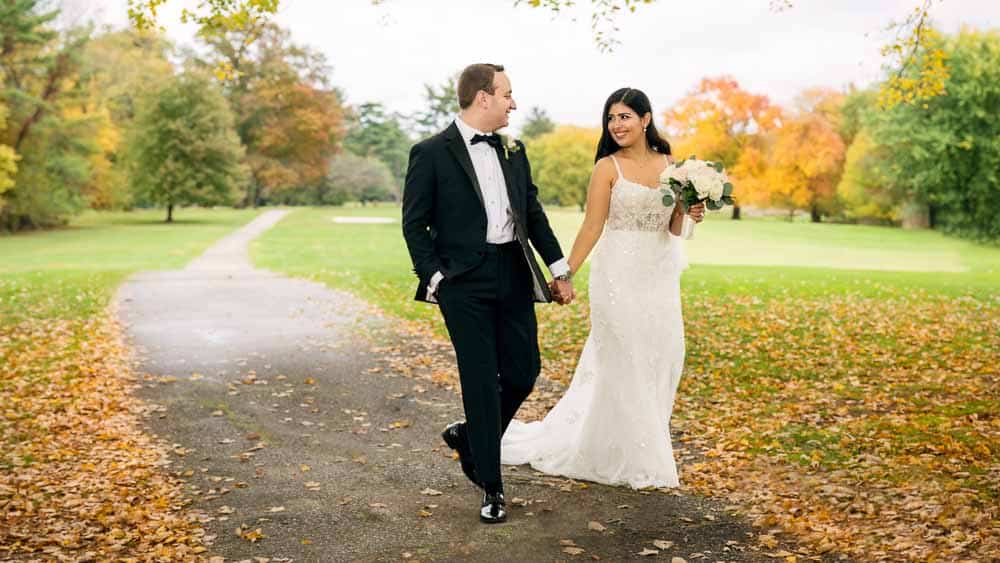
(693, 181)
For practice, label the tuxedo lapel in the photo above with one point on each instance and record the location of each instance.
(457, 147)
(508, 178)
(539, 287)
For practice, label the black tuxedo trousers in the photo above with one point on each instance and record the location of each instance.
(490, 315)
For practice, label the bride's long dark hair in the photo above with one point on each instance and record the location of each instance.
(637, 101)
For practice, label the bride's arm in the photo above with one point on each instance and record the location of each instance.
(677, 219)
(598, 204)
(681, 225)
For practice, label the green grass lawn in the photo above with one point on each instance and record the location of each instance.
(751, 257)
(72, 272)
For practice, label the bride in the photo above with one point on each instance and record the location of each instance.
(612, 425)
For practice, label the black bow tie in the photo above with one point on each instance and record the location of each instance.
(493, 140)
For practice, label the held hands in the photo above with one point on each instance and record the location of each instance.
(562, 291)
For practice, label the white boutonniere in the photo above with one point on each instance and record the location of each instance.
(509, 145)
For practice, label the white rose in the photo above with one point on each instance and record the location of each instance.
(679, 174)
(715, 191)
(703, 178)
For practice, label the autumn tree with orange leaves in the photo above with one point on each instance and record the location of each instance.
(289, 118)
(720, 121)
(806, 156)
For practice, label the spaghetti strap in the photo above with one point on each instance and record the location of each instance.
(618, 168)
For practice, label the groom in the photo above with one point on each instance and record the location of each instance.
(469, 212)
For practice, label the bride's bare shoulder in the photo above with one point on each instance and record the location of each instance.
(604, 172)
(605, 167)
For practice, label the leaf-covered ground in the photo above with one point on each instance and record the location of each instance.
(866, 426)
(79, 480)
(859, 428)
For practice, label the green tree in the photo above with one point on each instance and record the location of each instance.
(945, 152)
(185, 148)
(117, 68)
(441, 109)
(538, 124)
(854, 110)
(378, 134)
(561, 164)
(39, 68)
(865, 193)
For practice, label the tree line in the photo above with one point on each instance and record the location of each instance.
(121, 119)
(838, 155)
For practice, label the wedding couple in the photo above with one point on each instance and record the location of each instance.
(470, 210)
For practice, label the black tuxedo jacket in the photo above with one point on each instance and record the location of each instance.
(444, 218)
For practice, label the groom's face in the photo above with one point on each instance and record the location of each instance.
(501, 102)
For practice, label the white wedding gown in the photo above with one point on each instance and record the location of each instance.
(612, 425)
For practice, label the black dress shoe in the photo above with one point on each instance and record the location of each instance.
(454, 436)
(494, 509)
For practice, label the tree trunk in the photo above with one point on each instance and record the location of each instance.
(253, 194)
(814, 215)
(916, 215)
(736, 213)
(170, 213)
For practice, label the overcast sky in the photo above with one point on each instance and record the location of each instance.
(386, 53)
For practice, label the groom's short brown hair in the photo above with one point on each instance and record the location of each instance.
(475, 78)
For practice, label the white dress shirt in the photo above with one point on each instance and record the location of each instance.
(499, 219)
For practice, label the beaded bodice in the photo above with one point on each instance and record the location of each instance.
(635, 207)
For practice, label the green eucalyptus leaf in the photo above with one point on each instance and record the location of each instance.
(668, 199)
(713, 205)
(727, 189)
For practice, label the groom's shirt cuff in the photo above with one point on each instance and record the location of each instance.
(432, 286)
(559, 267)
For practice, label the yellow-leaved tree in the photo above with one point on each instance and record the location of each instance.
(806, 156)
(561, 163)
(8, 161)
